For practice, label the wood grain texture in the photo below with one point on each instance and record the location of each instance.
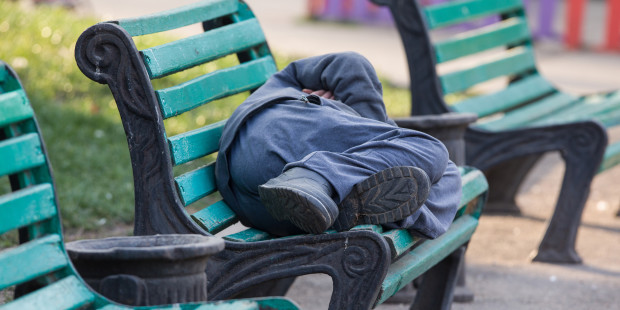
(507, 32)
(15, 107)
(514, 61)
(197, 143)
(415, 263)
(27, 206)
(179, 17)
(196, 184)
(526, 115)
(451, 13)
(249, 235)
(524, 90)
(68, 293)
(31, 260)
(219, 84)
(201, 48)
(215, 217)
(20, 153)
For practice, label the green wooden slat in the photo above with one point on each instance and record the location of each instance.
(514, 61)
(196, 184)
(279, 303)
(459, 11)
(609, 119)
(179, 17)
(510, 31)
(184, 97)
(68, 293)
(376, 228)
(31, 259)
(198, 49)
(215, 217)
(426, 255)
(249, 235)
(214, 305)
(601, 108)
(20, 153)
(399, 241)
(27, 206)
(526, 115)
(611, 158)
(253, 304)
(519, 92)
(15, 107)
(473, 184)
(197, 143)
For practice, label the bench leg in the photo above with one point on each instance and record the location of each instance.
(581, 145)
(357, 262)
(505, 179)
(437, 289)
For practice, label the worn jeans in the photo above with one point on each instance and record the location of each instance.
(344, 140)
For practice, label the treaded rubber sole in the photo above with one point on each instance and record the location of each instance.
(300, 208)
(385, 197)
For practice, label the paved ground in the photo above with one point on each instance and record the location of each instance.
(499, 268)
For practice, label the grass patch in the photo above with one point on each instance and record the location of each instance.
(81, 126)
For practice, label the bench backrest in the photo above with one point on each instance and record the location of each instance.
(230, 29)
(29, 211)
(474, 42)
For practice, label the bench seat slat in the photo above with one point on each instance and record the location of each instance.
(222, 83)
(67, 293)
(611, 158)
(587, 108)
(31, 260)
(179, 17)
(474, 184)
(376, 228)
(20, 153)
(249, 235)
(525, 116)
(15, 107)
(215, 217)
(197, 143)
(517, 93)
(399, 241)
(196, 184)
(201, 48)
(218, 305)
(27, 206)
(513, 61)
(610, 119)
(414, 263)
(459, 11)
(510, 31)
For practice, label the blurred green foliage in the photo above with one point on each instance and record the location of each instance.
(81, 126)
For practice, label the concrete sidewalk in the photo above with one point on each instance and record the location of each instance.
(500, 271)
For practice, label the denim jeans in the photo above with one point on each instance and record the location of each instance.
(345, 140)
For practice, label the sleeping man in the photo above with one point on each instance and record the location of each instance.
(313, 149)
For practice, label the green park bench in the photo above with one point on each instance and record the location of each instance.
(367, 264)
(518, 122)
(38, 269)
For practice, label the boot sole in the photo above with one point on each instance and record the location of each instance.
(300, 208)
(385, 197)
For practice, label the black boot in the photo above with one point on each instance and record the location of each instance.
(385, 197)
(302, 197)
